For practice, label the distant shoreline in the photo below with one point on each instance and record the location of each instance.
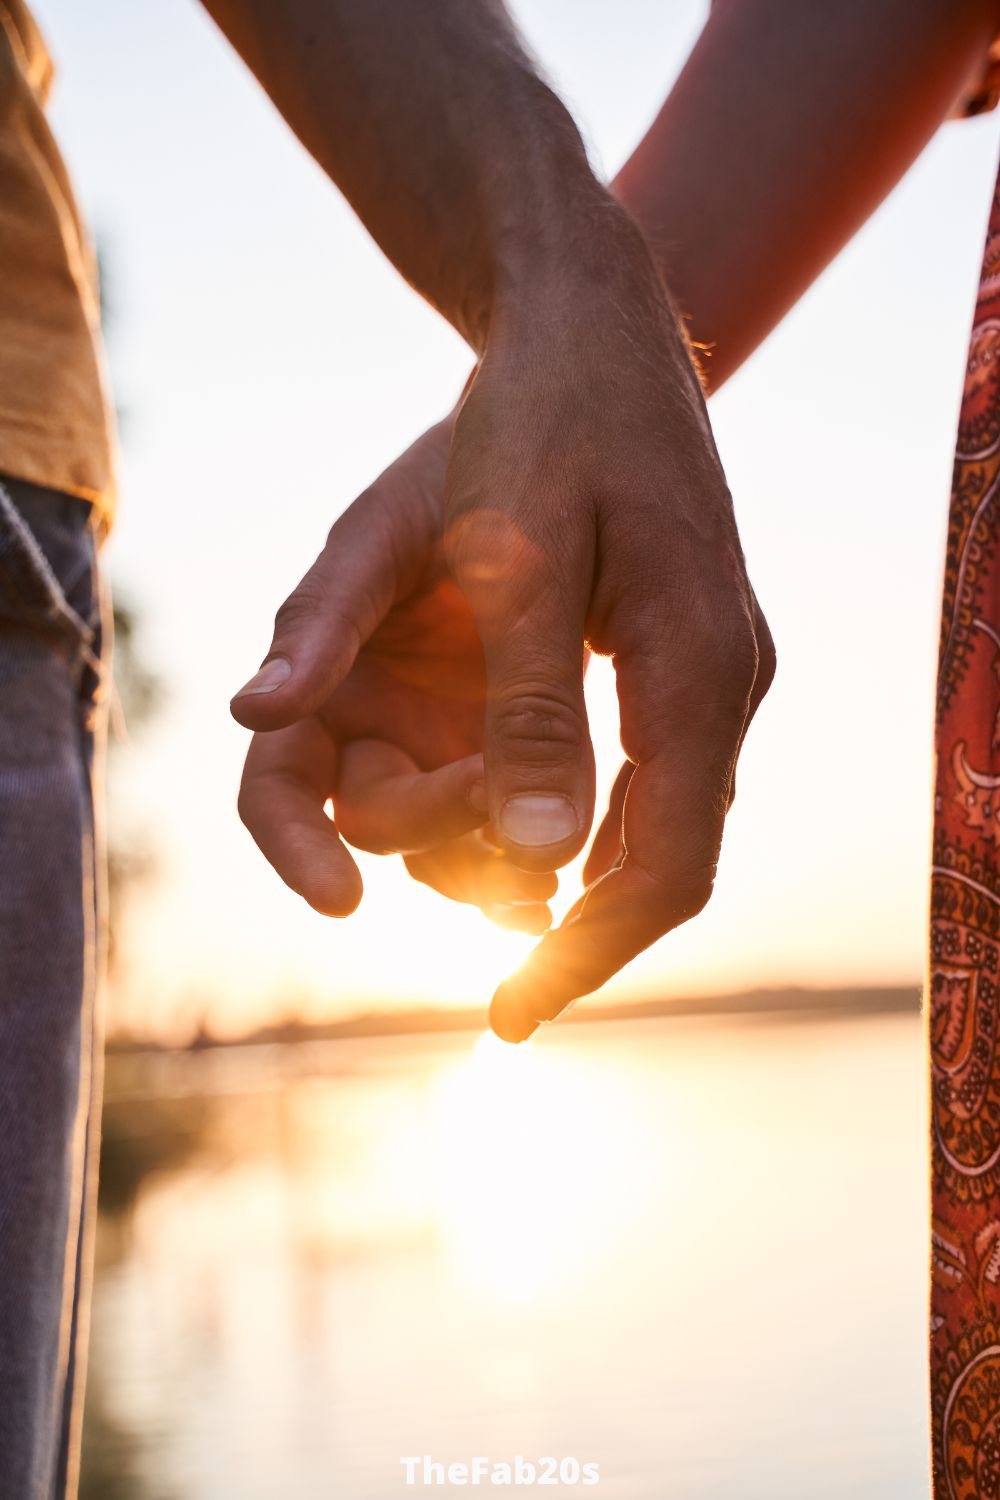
(787, 1000)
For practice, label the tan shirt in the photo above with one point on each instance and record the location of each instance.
(56, 427)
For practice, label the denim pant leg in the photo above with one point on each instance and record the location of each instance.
(50, 948)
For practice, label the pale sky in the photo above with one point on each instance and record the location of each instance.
(270, 363)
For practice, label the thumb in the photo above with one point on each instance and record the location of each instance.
(319, 630)
(530, 613)
(324, 622)
(374, 553)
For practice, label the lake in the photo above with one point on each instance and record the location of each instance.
(689, 1251)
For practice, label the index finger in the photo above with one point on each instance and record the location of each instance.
(288, 777)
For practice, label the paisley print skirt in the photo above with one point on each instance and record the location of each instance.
(963, 999)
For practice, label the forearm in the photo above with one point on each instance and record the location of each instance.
(787, 127)
(460, 161)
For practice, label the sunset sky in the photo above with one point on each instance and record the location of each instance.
(269, 362)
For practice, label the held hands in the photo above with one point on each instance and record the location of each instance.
(378, 673)
(427, 673)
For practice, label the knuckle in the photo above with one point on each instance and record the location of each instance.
(687, 894)
(696, 893)
(538, 727)
(743, 658)
(724, 646)
(704, 644)
(767, 656)
(309, 611)
(246, 805)
(302, 605)
(720, 672)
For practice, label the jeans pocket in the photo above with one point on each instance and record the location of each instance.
(48, 564)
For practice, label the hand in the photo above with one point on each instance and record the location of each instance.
(396, 743)
(584, 502)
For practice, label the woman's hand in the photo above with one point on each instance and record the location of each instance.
(396, 744)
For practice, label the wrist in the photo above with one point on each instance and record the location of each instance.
(593, 272)
(541, 214)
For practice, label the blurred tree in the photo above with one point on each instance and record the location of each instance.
(116, 1461)
(138, 693)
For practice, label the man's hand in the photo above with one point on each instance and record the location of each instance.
(607, 521)
(584, 505)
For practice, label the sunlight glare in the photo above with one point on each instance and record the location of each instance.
(523, 1139)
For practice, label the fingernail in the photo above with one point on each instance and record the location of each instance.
(477, 796)
(533, 819)
(271, 675)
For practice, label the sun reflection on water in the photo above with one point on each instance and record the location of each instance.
(515, 1208)
(614, 1238)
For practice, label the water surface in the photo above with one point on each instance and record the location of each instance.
(689, 1250)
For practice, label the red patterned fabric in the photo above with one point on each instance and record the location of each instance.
(964, 980)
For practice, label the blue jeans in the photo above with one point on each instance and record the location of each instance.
(51, 879)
